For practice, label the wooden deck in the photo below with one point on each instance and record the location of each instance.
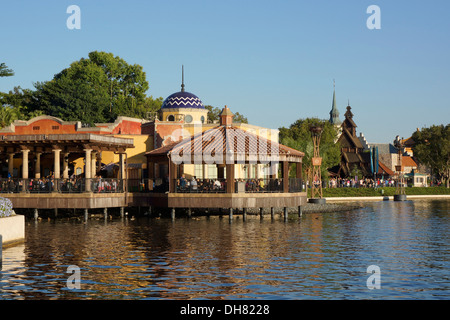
(89, 200)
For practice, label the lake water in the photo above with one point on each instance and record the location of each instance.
(319, 256)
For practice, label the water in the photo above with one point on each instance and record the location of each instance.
(322, 256)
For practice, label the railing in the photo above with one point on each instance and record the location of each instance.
(296, 185)
(241, 185)
(200, 186)
(112, 185)
(48, 185)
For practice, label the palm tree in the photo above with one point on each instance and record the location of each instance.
(4, 71)
(7, 116)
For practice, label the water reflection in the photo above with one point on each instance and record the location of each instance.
(322, 256)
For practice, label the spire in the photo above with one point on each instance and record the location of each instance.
(334, 113)
(182, 78)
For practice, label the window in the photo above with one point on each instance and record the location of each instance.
(202, 119)
(55, 127)
(36, 128)
(212, 171)
(198, 171)
(188, 118)
(171, 118)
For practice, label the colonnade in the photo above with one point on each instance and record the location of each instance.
(90, 159)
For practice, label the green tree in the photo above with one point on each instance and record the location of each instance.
(20, 100)
(432, 148)
(97, 89)
(214, 113)
(4, 71)
(298, 136)
(7, 116)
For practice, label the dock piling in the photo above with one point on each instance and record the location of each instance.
(86, 214)
(244, 213)
(172, 213)
(230, 215)
(285, 213)
(36, 214)
(300, 209)
(272, 212)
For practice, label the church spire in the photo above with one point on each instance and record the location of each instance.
(334, 113)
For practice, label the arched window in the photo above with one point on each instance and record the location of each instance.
(171, 118)
(202, 119)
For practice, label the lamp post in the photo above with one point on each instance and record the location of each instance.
(400, 194)
(316, 183)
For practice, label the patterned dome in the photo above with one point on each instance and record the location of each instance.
(183, 99)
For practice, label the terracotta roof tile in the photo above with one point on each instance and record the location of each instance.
(225, 140)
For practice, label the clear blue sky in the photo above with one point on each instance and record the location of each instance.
(273, 61)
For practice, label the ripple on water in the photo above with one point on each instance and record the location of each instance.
(323, 256)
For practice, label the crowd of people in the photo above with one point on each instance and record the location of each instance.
(219, 185)
(74, 184)
(360, 183)
(200, 185)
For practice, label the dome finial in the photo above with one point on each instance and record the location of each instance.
(182, 78)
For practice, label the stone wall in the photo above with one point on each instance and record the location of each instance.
(12, 229)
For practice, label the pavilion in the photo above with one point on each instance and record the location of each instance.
(228, 147)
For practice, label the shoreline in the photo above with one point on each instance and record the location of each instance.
(387, 198)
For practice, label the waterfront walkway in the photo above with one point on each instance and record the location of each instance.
(386, 198)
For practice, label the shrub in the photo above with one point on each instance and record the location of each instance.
(5, 207)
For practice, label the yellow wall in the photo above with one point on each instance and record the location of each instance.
(195, 113)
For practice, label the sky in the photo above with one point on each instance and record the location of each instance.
(272, 61)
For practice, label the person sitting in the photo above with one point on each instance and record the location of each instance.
(194, 184)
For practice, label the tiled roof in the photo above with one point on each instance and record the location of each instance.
(226, 140)
(408, 162)
(382, 168)
(182, 100)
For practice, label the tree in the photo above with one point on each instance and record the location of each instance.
(97, 89)
(298, 136)
(19, 101)
(4, 71)
(7, 116)
(432, 148)
(214, 114)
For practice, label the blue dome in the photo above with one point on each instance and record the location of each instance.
(182, 99)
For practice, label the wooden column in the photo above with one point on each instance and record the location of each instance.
(173, 168)
(285, 173)
(298, 173)
(230, 178)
